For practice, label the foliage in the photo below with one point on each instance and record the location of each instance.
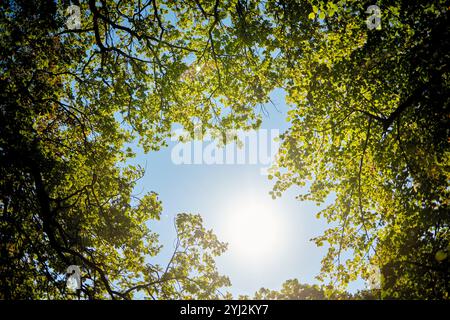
(369, 128)
(294, 290)
(70, 101)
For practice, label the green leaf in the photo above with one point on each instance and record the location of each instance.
(440, 255)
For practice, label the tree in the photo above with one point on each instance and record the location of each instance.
(294, 290)
(70, 100)
(370, 128)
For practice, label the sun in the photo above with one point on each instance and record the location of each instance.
(253, 228)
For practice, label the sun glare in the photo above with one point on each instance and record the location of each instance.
(253, 228)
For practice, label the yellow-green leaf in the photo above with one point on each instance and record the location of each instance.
(440, 255)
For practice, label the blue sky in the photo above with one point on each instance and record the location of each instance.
(220, 193)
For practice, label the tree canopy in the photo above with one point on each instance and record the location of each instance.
(294, 290)
(369, 127)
